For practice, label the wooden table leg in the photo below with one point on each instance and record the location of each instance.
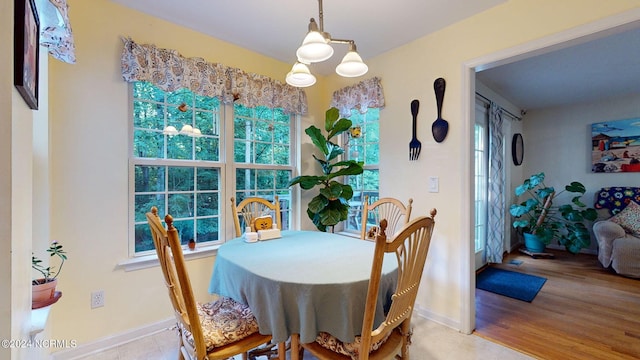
(282, 351)
(295, 346)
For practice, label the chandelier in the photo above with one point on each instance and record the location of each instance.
(316, 47)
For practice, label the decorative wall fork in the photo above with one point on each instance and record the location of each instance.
(414, 146)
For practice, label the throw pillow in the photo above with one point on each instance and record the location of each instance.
(615, 199)
(629, 218)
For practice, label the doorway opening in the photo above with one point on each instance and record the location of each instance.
(593, 31)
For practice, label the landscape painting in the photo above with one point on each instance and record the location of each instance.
(616, 146)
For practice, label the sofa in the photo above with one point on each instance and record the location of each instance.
(618, 236)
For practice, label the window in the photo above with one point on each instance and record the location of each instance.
(186, 175)
(364, 147)
(481, 180)
(480, 155)
(262, 155)
(178, 174)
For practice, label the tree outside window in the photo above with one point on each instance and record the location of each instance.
(184, 175)
(262, 155)
(364, 147)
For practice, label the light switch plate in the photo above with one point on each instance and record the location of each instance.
(433, 184)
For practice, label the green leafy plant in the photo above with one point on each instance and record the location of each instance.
(537, 215)
(49, 273)
(331, 205)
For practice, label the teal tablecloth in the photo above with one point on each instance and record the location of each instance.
(304, 282)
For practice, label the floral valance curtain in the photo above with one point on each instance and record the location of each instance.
(169, 71)
(55, 30)
(362, 96)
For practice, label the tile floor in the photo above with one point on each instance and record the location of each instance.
(430, 341)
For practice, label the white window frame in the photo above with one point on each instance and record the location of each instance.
(227, 168)
(355, 207)
(481, 157)
(234, 166)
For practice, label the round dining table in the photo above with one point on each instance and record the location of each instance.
(303, 283)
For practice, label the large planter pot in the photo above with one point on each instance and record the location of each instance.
(533, 243)
(44, 294)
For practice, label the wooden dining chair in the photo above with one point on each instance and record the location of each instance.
(254, 207)
(217, 330)
(390, 339)
(396, 213)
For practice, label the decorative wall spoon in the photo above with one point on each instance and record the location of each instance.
(440, 127)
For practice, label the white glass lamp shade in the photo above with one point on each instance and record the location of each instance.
(186, 130)
(300, 76)
(170, 130)
(352, 65)
(314, 48)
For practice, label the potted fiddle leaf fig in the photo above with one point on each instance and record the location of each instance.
(543, 221)
(331, 205)
(44, 288)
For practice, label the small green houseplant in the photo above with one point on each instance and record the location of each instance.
(537, 215)
(49, 273)
(44, 288)
(331, 205)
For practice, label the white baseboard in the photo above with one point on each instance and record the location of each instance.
(448, 322)
(113, 341)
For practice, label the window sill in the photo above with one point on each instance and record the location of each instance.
(147, 261)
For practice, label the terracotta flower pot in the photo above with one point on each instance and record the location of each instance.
(43, 291)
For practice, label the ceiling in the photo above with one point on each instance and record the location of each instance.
(588, 71)
(276, 27)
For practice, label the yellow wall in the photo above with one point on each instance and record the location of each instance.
(89, 148)
(16, 194)
(6, 100)
(20, 219)
(408, 73)
(89, 144)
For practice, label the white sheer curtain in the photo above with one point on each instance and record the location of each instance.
(496, 198)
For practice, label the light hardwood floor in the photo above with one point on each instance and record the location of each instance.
(582, 312)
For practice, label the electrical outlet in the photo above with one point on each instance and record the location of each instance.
(97, 299)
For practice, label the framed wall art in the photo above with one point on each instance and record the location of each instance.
(615, 146)
(26, 51)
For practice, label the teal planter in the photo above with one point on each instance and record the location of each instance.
(533, 244)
